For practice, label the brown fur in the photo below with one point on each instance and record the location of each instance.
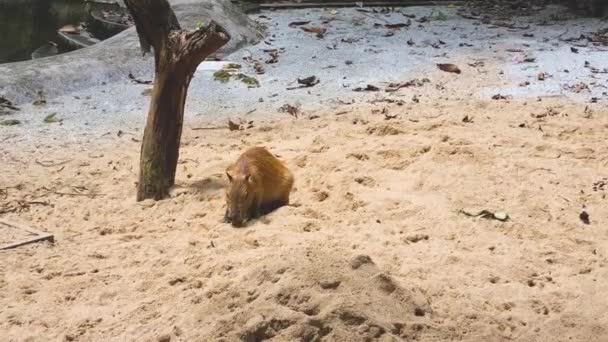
(258, 184)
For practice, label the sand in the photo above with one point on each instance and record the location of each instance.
(373, 246)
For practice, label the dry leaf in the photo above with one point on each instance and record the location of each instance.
(320, 31)
(449, 68)
(233, 126)
(298, 23)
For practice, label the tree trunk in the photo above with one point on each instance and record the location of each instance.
(177, 54)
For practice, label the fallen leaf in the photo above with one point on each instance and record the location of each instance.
(290, 109)
(398, 25)
(5, 103)
(499, 97)
(10, 122)
(298, 23)
(369, 87)
(486, 214)
(467, 119)
(542, 76)
(308, 81)
(52, 118)
(584, 216)
(392, 87)
(319, 31)
(233, 126)
(449, 68)
(136, 80)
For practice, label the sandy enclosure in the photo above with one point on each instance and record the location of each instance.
(375, 246)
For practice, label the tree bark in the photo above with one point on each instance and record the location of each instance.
(177, 54)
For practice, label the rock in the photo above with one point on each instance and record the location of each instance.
(330, 283)
(112, 59)
(360, 260)
(164, 338)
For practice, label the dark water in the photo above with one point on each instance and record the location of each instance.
(26, 25)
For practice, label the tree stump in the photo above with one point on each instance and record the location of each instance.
(177, 54)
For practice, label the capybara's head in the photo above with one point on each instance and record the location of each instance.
(239, 197)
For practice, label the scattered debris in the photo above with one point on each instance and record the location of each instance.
(447, 67)
(500, 97)
(388, 116)
(369, 87)
(227, 73)
(397, 102)
(398, 25)
(548, 112)
(350, 40)
(239, 126)
(19, 206)
(577, 88)
(40, 101)
(137, 80)
(573, 49)
(306, 82)
(274, 56)
(6, 104)
(250, 81)
(600, 185)
(467, 119)
(542, 76)
(416, 238)
(584, 217)
(290, 109)
(392, 87)
(259, 68)
(486, 214)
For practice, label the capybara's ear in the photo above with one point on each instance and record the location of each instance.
(249, 179)
(229, 176)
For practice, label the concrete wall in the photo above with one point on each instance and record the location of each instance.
(113, 59)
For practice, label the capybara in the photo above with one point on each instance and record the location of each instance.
(258, 184)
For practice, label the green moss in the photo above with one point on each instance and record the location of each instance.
(440, 16)
(222, 76)
(251, 82)
(52, 118)
(10, 122)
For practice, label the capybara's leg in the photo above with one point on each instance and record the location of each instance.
(226, 217)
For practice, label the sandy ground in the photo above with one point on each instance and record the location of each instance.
(375, 245)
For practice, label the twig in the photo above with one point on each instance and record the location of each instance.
(137, 80)
(21, 205)
(50, 164)
(204, 128)
(90, 195)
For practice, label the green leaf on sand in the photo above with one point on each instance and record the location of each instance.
(52, 118)
(10, 122)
